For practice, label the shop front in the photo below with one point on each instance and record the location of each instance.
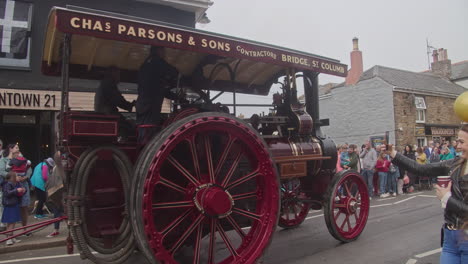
(441, 133)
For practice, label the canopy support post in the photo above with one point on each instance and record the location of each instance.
(311, 90)
(65, 84)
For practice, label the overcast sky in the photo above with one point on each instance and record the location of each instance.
(391, 33)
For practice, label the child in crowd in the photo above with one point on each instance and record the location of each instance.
(344, 156)
(12, 192)
(20, 165)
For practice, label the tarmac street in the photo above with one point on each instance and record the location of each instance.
(400, 230)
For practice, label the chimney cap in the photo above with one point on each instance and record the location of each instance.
(355, 43)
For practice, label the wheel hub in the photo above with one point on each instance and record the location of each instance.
(353, 205)
(212, 200)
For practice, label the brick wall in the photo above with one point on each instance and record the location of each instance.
(439, 110)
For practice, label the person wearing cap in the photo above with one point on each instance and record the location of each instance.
(39, 178)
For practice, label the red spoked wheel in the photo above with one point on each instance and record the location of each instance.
(293, 209)
(206, 191)
(347, 206)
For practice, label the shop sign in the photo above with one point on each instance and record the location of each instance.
(419, 131)
(29, 99)
(442, 131)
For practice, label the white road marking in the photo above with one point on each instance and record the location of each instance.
(315, 216)
(411, 261)
(384, 199)
(380, 205)
(39, 258)
(415, 193)
(428, 253)
(404, 200)
(425, 195)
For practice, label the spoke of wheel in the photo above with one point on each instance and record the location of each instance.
(236, 226)
(196, 252)
(242, 179)
(176, 222)
(227, 242)
(247, 214)
(355, 216)
(172, 185)
(336, 216)
(244, 196)
(344, 222)
(232, 169)
(295, 211)
(213, 223)
(182, 170)
(349, 223)
(287, 212)
(209, 158)
(181, 204)
(226, 152)
(193, 151)
(340, 205)
(186, 234)
(347, 190)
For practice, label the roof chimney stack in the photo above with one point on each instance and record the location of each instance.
(356, 64)
(441, 65)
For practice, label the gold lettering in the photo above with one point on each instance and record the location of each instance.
(108, 27)
(141, 33)
(131, 31)
(86, 23)
(121, 29)
(171, 37)
(228, 47)
(74, 22)
(204, 43)
(97, 26)
(178, 38)
(161, 35)
(151, 34)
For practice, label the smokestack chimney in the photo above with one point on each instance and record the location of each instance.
(441, 66)
(356, 64)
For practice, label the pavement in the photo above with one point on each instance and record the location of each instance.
(38, 239)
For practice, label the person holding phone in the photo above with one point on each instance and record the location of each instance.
(454, 198)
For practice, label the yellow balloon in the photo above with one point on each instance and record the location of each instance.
(461, 106)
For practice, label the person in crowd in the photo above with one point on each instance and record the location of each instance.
(435, 155)
(382, 167)
(12, 154)
(2, 225)
(392, 178)
(54, 188)
(353, 158)
(409, 153)
(430, 147)
(155, 78)
(11, 200)
(363, 146)
(446, 154)
(453, 147)
(455, 240)
(39, 178)
(421, 156)
(369, 159)
(108, 98)
(338, 162)
(1, 148)
(344, 156)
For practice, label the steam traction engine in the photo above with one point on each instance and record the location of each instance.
(208, 187)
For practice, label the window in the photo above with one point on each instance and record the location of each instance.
(420, 109)
(15, 28)
(421, 141)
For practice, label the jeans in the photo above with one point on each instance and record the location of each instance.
(58, 211)
(383, 182)
(455, 247)
(368, 176)
(41, 198)
(392, 178)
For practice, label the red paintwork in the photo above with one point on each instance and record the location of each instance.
(169, 212)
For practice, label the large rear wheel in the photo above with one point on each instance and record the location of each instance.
(206, 191)
(347, 206)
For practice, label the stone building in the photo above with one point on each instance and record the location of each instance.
(29, 101)
(398, 106)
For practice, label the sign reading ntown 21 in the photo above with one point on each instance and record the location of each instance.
(159, 35)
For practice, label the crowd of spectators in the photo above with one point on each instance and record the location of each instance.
(382, 177)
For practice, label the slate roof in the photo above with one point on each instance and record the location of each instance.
(459, 70)
(412, 80)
